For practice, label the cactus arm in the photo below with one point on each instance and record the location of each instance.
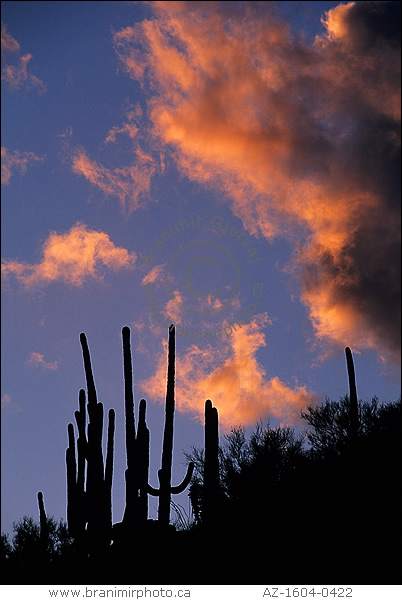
(110, 449)
(109, 468)
(142, 449)
(88, 370)
(80, 418)
(73, 508)
(153, 491)
(70, 458)
(177, 489)
(95, 426)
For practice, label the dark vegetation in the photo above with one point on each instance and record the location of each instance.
(279, 506)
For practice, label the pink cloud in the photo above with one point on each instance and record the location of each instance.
(17, 75)
(131, 185)
(36, 359)
(302, 138)
(231, 376)
(73, 258)
(15, 161)
(154, 275)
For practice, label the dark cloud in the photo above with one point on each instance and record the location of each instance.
(303, 138)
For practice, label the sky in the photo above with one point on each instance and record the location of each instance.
(230, 167)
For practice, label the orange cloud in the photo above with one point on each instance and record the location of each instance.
(73, 258)
(5, 400)
(8, 43)
(36, 359)
(128, 127)
(303, 138)
(129, 184)
(336, 21)
(231, 376)
(8, 405)
(16, 75)
(15, 161)
(154, 275)
(174, 308)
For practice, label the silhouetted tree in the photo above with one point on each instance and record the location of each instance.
(329, 424)
(27, 555)
(251, 472)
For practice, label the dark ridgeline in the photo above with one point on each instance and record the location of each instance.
(264, 508)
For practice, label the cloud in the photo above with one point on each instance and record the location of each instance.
(17, 75)
(36, 359)
(131, 185)
(5, 400)
(73, 258)
(138, 337)
(303, 138)
(129, 126)
(174, 307)
(8, 43)
(154, 275)
(231, 376)
(15, 161)
(7, 404)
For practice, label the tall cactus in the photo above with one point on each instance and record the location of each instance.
(166, 489)
(137, 446)
(89, 480)
(211, 465)
(92, 505)
(99, 479)
(353, 410)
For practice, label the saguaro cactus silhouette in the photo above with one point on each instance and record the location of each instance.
(89, 479)
(137, 446)
(76, 497)
(353, 411)
(44, 529)
(211, 465)
(166, 489)
(92, 505)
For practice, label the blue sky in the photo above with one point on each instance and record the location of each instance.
(230, 145)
